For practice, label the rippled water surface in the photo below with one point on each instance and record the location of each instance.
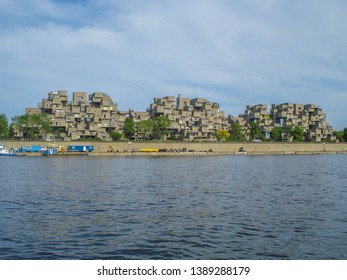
(218, 207)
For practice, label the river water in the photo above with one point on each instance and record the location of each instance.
(209, 207)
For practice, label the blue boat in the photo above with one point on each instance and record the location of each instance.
(80, 148)
(50, 150)
(29, 149)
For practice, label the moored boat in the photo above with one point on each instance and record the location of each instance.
(53, 150)
(50, 150)
(242, 151)
(4, 151)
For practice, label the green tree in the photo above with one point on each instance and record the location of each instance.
(41, 122)
(145, 129)
(276, 133)
(32, 125)
(254, 130)
(116, 136)
(20, 124)
(38, 124)
(235, 133)
(4, 128)
(160, 126)
(174, 135)
(298, 134)
(345, 134)
(339, 135)
(57, 133)
(129, 128)
(222, 135)
(288, 131)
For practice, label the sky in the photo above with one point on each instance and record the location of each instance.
(232, 52)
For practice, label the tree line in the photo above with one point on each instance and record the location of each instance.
(154, 128)
(277, 134)
(32, 126)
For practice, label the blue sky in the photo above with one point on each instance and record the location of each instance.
(228, 51)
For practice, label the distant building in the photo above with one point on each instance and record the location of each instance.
(95, 117)
(190, 119)
(309, 117)
(196, 119)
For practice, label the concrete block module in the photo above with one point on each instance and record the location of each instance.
(198, 119)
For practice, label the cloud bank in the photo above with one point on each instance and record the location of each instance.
(231, 52)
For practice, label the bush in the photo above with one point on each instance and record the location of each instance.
(116, 136)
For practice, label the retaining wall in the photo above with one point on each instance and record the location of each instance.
(218, 148)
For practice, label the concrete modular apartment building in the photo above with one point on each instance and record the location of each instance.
(192, 119)
(310, 117)
(196, 119)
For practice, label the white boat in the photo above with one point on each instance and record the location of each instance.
(242, 151)
(4, 151)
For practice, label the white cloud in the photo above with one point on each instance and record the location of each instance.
(232, 52)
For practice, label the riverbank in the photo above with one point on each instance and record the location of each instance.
(193, 148)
